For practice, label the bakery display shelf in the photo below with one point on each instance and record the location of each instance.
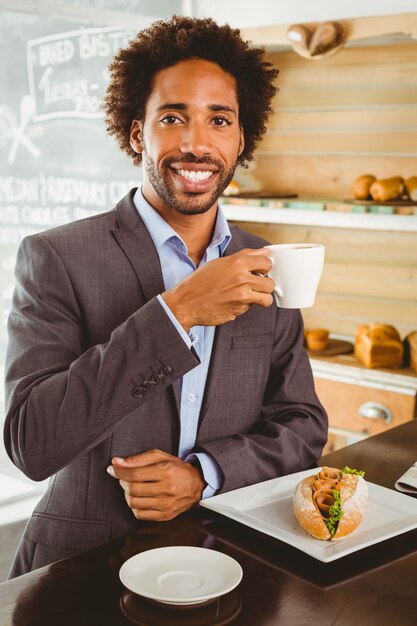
(269, 215)
(346, 368)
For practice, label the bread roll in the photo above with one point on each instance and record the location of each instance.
(326, 37)
(411, 188)
(378, 345)
(362, 185)
(316, 339)
(314, 503)
(232, 189)
(410, 350)
(300, 35)
(306, 512)
(387, 189)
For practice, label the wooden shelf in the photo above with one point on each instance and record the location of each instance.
(347, 369)
(244, 213)
(362, 29)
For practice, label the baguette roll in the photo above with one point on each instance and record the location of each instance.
(314, 503)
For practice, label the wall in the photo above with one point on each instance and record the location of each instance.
(350, 114)
(369, 276)
(242, 13)
(337, 118)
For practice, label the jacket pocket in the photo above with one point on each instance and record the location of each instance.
(249, 342)
(63, 532)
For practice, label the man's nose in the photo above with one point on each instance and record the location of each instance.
(196, 140)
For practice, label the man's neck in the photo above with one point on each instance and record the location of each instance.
(195, 230)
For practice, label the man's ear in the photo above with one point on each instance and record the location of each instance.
(241, 141)
(136, 136)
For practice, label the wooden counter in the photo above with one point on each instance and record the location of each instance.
(362, 401)
(281, 585)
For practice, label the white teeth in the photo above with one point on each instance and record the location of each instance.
(192, 175)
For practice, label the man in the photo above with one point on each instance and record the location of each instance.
(145, 341)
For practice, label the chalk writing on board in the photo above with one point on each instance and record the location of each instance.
(17, 128)
(28, 205)
(67, 72)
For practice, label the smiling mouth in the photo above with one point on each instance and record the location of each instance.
(194, 176)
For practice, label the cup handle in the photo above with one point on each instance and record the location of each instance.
(277, 290)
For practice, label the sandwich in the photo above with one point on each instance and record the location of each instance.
(330, 505)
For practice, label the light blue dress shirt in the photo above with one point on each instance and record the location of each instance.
(177, 265)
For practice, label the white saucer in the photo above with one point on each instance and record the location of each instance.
(181, 575)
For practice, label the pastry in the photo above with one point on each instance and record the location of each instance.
(316, 339)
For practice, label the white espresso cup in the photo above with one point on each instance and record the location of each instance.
(296, 271)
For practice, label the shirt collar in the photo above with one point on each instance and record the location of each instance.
(161, 232)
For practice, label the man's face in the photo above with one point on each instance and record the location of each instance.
(190, 138)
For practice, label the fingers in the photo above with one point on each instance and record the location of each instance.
(152, 509)
(142, 474)
(255, 251)
(141, 460)
(141, 489)
(255, 260)
(262, 284)
(263, 299)
(146, 504)
(160, 509)
(155, 515)
(160, 490)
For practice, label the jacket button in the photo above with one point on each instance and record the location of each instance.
(165, 370)
(138, 391)
(157, 378)
(147, 385)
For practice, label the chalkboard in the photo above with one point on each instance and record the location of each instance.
(57, 163)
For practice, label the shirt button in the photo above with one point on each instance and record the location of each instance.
(190, 397)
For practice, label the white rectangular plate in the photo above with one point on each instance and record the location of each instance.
(267, 507)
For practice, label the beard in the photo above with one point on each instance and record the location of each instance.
(193, 204)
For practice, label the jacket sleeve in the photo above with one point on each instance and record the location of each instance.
(292, 427)
(63, 397)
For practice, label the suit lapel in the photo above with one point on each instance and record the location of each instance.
(222, 341)
(137, 244)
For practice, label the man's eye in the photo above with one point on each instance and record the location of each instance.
(221, 121)
(170, 120)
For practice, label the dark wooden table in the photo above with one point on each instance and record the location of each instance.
(376, 586)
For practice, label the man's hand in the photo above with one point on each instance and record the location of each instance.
(157, 485)
(222, 289)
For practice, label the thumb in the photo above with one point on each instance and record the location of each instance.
(140, 460)
(261, 251)
(265, 251)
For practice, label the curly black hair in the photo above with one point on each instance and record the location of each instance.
(166, 43)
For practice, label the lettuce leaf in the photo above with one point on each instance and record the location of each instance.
(335, 512)
(348, 470)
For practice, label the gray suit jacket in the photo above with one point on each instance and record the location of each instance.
(87, 335)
